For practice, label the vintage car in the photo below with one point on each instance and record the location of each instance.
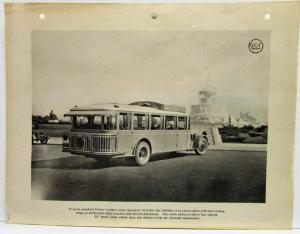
(38, 135)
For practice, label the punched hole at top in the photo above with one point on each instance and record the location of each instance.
(42, 16)
(268, 16)
(154, 15)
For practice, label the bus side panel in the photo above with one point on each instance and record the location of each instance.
(182, 139)
(189, 141)
(156, 138)
(170, 140)
(125, 141)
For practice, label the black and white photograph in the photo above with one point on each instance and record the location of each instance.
(150, 116)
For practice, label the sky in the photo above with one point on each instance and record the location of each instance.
(86, 67)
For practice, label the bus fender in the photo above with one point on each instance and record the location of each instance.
(197, 138)
(145, 140)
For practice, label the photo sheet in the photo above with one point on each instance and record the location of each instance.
(151, 115)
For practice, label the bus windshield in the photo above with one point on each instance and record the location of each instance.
(101, 122)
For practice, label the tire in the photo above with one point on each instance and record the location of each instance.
(142, 153)
(203, 146)
(44, 140)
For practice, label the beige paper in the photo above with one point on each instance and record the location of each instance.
(43, 69)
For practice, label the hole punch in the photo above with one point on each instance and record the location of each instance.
(267, 16)
(154, 15)
(42, 16)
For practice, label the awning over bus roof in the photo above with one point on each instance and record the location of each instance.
(112, 108)
(72, 113)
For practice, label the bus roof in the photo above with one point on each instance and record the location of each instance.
(111, 108)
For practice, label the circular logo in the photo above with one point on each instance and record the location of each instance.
(255, 46)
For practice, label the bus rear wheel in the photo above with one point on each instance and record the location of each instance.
(142, 153)
(202, 147)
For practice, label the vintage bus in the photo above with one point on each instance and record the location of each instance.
(105, 131)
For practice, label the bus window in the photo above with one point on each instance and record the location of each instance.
(98, 122)
(182, 123)
(189, 123)
(124, 121)
(156, 122)
(82, 122)
(140, 122)
(109, 122)
(170, 122)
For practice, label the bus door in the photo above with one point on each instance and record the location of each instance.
(182, 133)
(125, 138)
(170, 138)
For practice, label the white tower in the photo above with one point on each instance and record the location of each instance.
(204, 115)
(204, 111)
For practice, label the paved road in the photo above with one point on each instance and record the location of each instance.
(218, 176)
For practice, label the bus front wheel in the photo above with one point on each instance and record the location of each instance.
(202, 147)
(142, 153)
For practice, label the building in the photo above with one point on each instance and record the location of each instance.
(246, 119)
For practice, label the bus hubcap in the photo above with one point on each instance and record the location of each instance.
(202, 145)
(143, 153)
